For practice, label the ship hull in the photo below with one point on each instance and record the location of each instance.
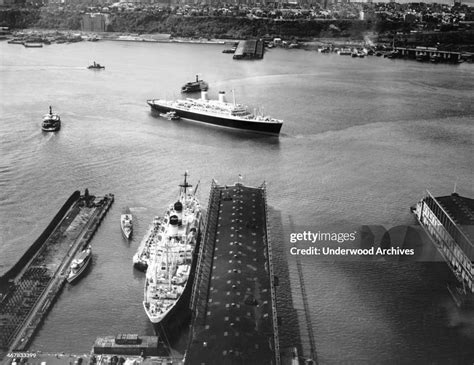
(126, 230)
(180, 313)
(260, 127)
(51, 126)
(71, 278)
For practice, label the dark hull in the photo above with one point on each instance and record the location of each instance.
(51, 127)
(140, 266)
(261, 127)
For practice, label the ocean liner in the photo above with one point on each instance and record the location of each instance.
(218, 112)
(171, 268)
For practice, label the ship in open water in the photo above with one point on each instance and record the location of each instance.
(126, 223)
(171, 266)
(51, 122)
(218, 112)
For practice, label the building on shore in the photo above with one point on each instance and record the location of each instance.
(94, 22)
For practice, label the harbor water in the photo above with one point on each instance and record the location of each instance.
(361, 141)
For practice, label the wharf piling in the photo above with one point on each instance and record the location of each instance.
(27, 297)
(233, 298)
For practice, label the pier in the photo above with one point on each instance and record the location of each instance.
(449, 222)
(233, 298)
(30, 287)
(430, 54)
(249, 49)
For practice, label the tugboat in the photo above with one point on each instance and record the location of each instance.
(51, 122)
(170, 116)
(195, 86)
(96, 66)
(126, 223)
(79, 264)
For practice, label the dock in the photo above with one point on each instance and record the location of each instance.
(430, 54)
(250, 49)
(29, 289)
(233, 298)
(449, 223)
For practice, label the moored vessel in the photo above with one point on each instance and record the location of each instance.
(218, 112)
(79, 264)
(194, 86)
(147, 246)
(126, 223)
(51, 122)
(33, 44)
(171, 268)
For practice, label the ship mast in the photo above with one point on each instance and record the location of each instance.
(185, 185)
(168, 266)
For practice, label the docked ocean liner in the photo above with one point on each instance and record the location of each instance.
(171, 268)
(218, 112)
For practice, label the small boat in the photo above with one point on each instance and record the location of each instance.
(344, 52)
(358, 53)
(96, 66)
(170, 116)
(16, 41)
(147, 247)
(79, 264)
(33, 44)
(194, 86)
(126, 223)
(51, 122)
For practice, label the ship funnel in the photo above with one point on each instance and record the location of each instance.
(173, 227)
(222, 96)
(204, 95)
(178, 208)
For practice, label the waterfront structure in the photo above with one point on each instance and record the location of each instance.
(233, 299)
(94, 22)
(126, 344)
(431, 54)
(29, 289)
(449, 222)
(249, 49)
